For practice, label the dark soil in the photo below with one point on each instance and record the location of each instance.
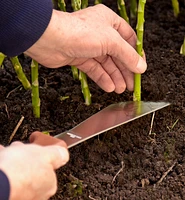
(153, 167)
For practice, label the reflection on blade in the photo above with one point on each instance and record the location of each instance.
(109, 118)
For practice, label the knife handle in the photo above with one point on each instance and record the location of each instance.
(45, 140)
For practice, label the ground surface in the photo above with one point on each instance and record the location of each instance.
(152, 167)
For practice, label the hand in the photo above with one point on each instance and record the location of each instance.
(97, 41)
(31, 169)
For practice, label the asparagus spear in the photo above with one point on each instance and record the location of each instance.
(122, 10)
(77, 4)
(35, 89)
(20, 74)
(175, 5)
(62, 5)
(133, 8)
(139, 47)
(2, 57)
(84, 4)
(182, 50)
(97, 2)
(85, 88)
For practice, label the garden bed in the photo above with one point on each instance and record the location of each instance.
(124, 163)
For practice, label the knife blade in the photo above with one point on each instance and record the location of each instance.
(108, 118)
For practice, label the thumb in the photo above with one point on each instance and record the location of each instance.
(56, 155)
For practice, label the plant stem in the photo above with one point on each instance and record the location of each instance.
(74, 72)
(20, 74)
(2, 57)
(85, 88)
(76, 4)
(139, 47)
(175, 5)
(122, 10)
(182, 50)
(35, 89)
(97, 2)
(133, 9)
(62, 5)
(84, 4)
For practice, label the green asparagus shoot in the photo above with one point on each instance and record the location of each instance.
(85, 88)
(133, 9)
(122, 10)
(62, 5)
(84, 4)
(97, 2)
(77, 5)
(35, 89)
(75, 72)
(62, 98)
(182, 50)
(46, 132)
(175, 5)
(2, 57)
(139, 47)
(20, 74)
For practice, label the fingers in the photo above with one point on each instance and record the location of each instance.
(55, 150)
(95, 71)
(110, 74)
(57, 156)
(126, 31)
(114, 73)
(125, 53)
(45, 140)
(127, 75)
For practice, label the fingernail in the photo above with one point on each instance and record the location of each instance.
(64, 154)
(141, 65)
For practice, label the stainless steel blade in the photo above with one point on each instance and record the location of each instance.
(109, 118)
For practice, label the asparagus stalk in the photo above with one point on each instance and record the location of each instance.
(139, 47)
(97, 2)
(84, 4)
(2, 57)
(133, 9)
(122, 10)
(35, 89)
(62, 5)
(182, 50)
(85, 88)
(175, 5)
(77, 4)
(20, 74)
(75, 72)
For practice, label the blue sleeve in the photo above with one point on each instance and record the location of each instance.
(4, 186)
(22, 22)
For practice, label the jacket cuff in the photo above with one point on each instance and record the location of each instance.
(4, 186)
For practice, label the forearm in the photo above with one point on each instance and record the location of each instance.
(22, 24)
(4, 186)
